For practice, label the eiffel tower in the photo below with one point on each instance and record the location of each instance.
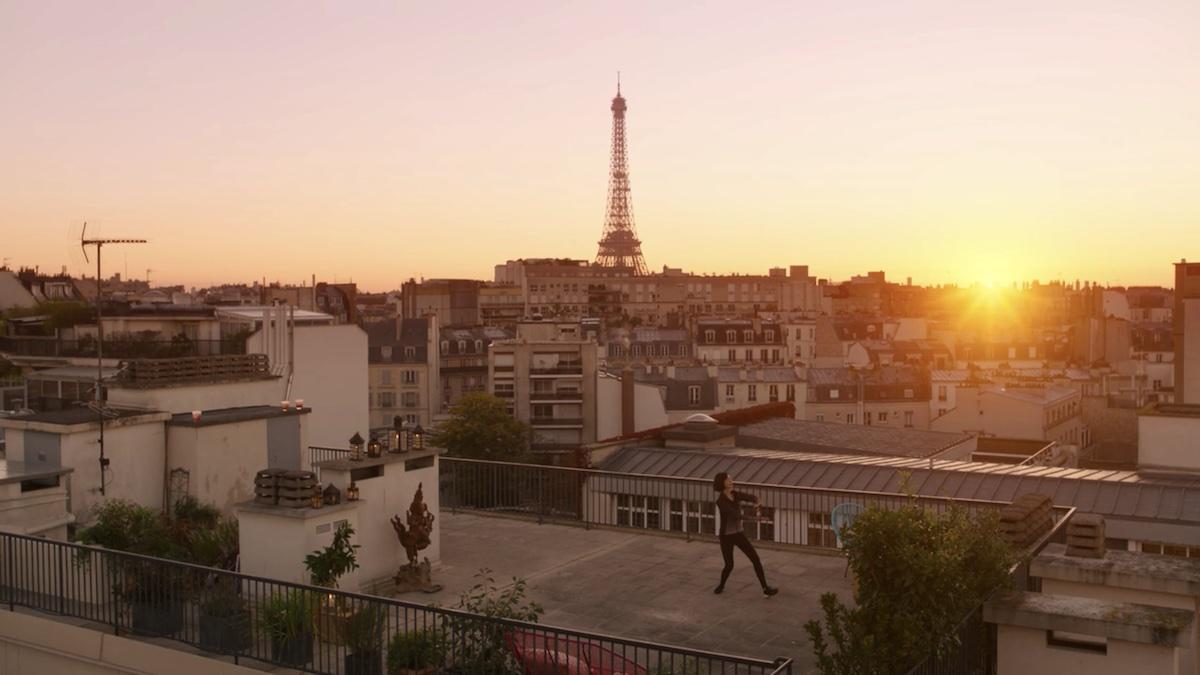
(620, 247)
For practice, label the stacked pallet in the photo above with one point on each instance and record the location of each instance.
(296, 489)
(1085, 536)
(266, 486)
(1026, 519)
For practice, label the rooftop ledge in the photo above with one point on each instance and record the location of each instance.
(386, 458)
(1121, 569)
(1125, 621)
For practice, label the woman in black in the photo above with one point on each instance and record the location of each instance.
(731, 531)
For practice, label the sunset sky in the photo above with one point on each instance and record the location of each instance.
(375, 141)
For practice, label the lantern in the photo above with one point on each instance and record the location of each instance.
(352, 493)
(418, 438)
(397, 435)
(356, 447)
(331, 495)
(373, 448)
(316, 500)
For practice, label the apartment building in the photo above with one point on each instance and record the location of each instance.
(1186, 332)
(548, 374)
(464, 362)
(740, 341)
(404, 362)
(1036, 413)
(896, 396)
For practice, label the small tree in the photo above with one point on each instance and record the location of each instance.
(919, 574)
(328, 564)
(481, 428)
(480, 644)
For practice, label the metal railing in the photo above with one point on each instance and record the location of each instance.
(310, 628)
(119, 347)
(153, 372)
(791, 515)
(318, 453)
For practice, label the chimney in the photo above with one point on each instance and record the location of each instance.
(1026, 519)
(627, 402)
(1085, 536)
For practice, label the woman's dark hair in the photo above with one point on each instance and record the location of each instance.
(719, 481)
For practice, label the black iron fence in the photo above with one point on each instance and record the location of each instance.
(789, 515)
(318, 453)
(315, 629)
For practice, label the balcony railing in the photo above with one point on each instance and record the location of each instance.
(118, 347)
(556, 421)
(229, 614)
(557, 370)
(556, 396)
(157, 372)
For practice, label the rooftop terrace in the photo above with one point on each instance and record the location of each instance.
(649, 587)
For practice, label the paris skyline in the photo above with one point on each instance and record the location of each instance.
(378, 142)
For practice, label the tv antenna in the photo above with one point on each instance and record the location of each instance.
(98, 404)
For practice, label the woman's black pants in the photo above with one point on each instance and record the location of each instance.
(728, 541)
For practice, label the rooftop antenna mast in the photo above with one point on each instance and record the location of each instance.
(98, 403)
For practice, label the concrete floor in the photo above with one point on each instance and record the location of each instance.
(643, 586)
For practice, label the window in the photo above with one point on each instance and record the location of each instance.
(791, 392)
(410, 377)
(883, 418)
(908, 418)
(833, 393)
(770, 335)
(731, 336)
(385, 378)
(410, 399)
(762, 353)
(941, 392)
(385, 352)
(701, 517)
(849, 418)
(867, 417)
(675, 516)
(908, 393)
(747, 336)
(749, 354)
(762, 527)
(752, 392)
(732, 355)
(462, 346)
(694, 395)
(387, 399)
(1032, 352)
(479, 346)
(729, 393)
(773, 393)
(941, 411)
(638, 511)
(775, 356)
(820, 417)
(820, 531)
(410, 352)
(1012, 352)
(445, 348)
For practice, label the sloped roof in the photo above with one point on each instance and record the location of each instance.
(850, 439)
(1123, 494)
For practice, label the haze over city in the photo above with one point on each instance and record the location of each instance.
(382, 141)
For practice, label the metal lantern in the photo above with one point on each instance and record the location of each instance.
(397, 435)
(356, 447)
(331, 495)
(352, 493)
(374, 449)
(418, 438)
(316, 500)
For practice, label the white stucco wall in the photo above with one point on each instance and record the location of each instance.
(1169, 442)
(649, 412)
(274, 545)
(187, 398)
(331, 377)
(221, 459)
(1023, 651)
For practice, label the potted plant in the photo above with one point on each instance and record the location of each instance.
(224, 621)
(415, 653)
(154, 597)
(325, 566)
(362, 633)
(287, 618)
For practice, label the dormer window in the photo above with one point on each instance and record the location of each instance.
(445, 348)
(731, 336)
(462, 346)
(748, 335)
(770, 336)
(479, 346)
(710, 336)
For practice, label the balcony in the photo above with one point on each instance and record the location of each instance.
(550, 422)
(576, 396)
(574, 370)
